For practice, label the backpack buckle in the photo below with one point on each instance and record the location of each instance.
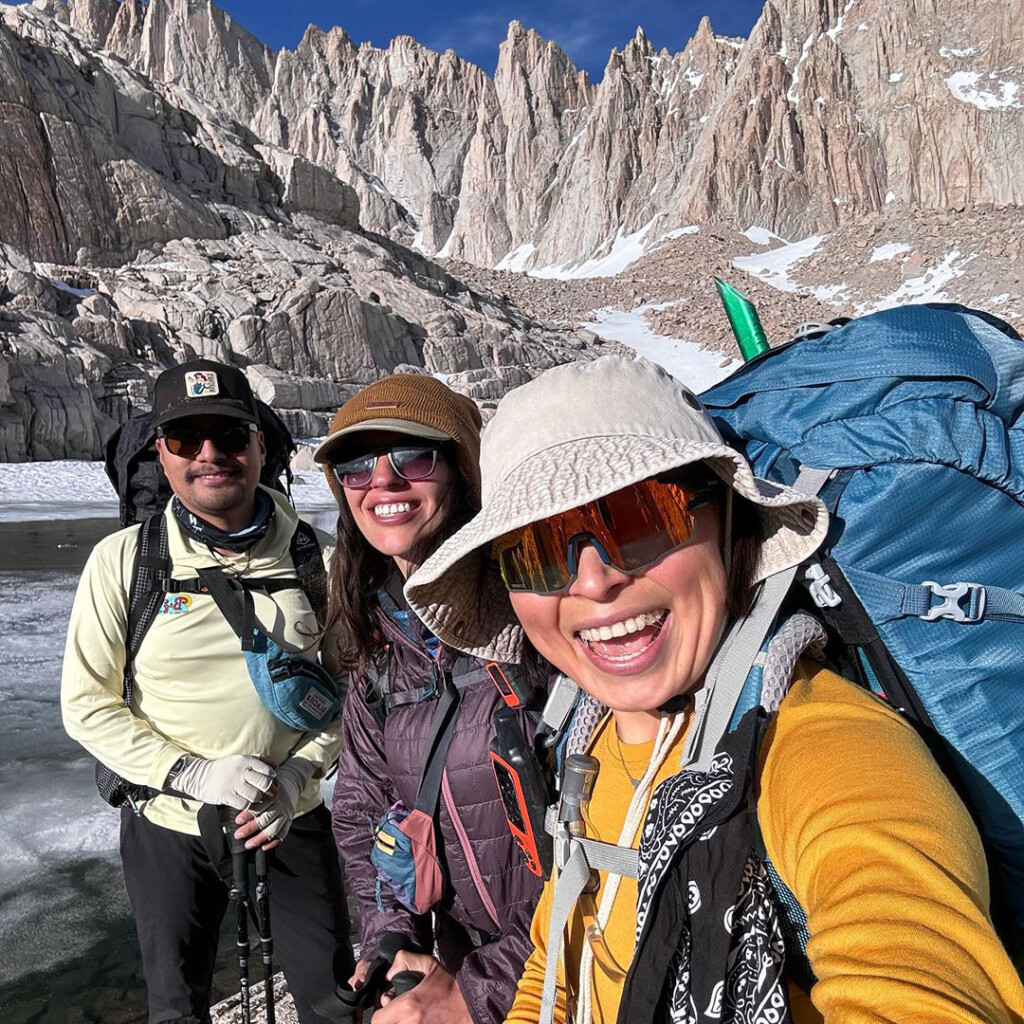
(820, 587)
(952, 594)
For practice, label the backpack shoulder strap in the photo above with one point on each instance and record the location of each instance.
(442, 728)
(145, 595)
(235, 603)
(308, 559)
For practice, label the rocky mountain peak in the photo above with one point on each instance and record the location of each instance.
(148, 223)
(831, 110)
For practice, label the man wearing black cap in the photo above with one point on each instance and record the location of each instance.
(198, 733)
(205, 401)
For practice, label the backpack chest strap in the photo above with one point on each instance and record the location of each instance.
(194, 585)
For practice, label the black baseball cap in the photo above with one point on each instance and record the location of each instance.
(202, 387)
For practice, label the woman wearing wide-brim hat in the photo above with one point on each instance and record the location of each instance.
(402, 462)
(631, 540)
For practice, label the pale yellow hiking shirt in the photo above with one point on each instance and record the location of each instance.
(193, 694)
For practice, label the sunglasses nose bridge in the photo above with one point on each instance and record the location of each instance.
(575, 543)
(384, 473)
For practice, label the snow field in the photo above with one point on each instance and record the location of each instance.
(697, 368)
(71, 489)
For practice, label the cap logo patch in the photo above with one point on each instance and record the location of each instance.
(201, 384)
(383, 405)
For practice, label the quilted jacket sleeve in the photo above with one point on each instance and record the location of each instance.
(362, 793)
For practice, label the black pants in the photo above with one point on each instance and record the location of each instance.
(178, 900)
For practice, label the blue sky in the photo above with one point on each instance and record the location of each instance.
(586, 31)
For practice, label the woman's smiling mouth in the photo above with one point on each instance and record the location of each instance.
(626, 646)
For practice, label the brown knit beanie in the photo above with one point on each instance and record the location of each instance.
(414, 404)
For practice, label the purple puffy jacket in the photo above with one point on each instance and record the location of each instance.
(482, 923)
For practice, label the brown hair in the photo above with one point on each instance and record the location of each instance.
(746, 540)
(358, 571)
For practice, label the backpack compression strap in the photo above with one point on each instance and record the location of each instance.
(145, 596)
(442, 729)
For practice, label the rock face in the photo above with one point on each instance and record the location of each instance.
(831, 111)
(171, 187)
(141, 226)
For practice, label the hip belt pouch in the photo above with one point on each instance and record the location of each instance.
(297, 691)
(404, 850)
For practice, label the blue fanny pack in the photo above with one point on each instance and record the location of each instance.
(298, 691)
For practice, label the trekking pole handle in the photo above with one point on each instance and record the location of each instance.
(406, 981)
(240, 895)
(239, 867)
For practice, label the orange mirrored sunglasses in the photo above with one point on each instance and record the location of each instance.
(631, 529)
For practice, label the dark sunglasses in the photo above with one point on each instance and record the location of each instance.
(187, 441)
(410, 462)
(631, 530)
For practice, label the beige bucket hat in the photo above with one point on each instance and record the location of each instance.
(574, 434)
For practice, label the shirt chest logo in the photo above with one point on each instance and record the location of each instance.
(176, 604)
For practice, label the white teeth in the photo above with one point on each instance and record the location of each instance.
(392, 510)
(623, 628)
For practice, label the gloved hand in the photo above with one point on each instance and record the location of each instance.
(238, 780)
(272, 816)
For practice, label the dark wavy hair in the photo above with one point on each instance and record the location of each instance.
(746, 535)
(747, 538)
(358, 571)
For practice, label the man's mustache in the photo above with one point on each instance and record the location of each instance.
(198, 474)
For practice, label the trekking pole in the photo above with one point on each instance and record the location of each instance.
(266, 938)
(744, 321)
(239, 894)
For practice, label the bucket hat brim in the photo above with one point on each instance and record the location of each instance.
(458, 593)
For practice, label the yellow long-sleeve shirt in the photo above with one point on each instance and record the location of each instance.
(865, 830)
(193, 694)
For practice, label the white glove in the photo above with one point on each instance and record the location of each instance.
(238, 780)
(274, 814)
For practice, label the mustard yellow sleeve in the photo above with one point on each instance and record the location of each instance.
(92, 678)
(869, 835)
(526, 1005)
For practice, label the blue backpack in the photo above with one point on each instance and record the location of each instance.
(920, 412)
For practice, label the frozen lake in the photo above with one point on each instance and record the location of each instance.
(68, 937)
(69, 950)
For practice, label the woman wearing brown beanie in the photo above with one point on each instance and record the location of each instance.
(402, 462)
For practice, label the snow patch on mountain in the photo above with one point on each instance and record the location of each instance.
(623, 251)
(928, 287)
(986, 92)
(774, 267)
(696, 367)
(762, 236)
(889, 251)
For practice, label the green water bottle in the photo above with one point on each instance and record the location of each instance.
(743, 318)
